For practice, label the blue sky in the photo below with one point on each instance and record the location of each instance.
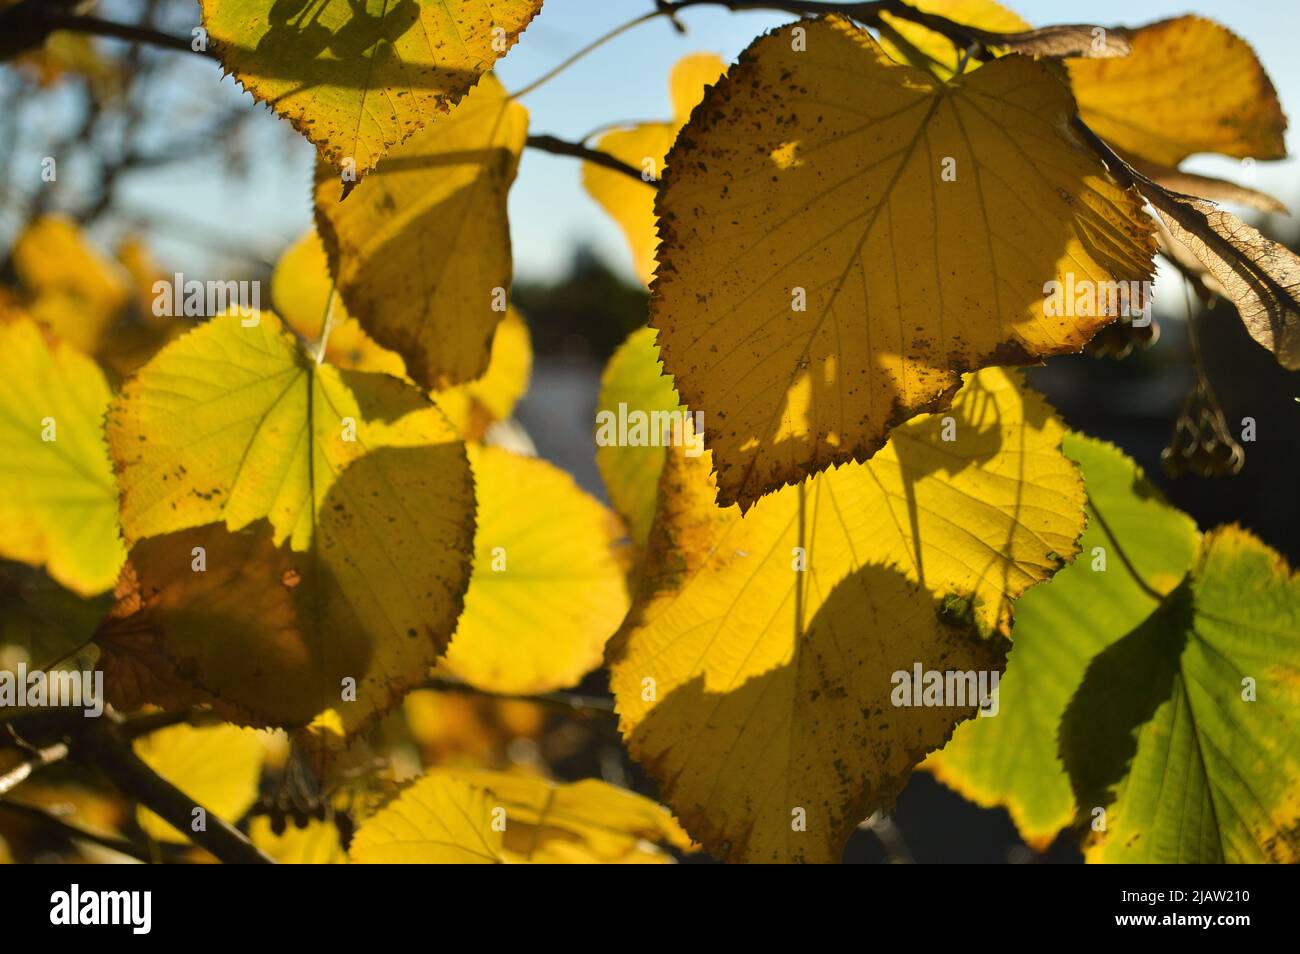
(624, 80)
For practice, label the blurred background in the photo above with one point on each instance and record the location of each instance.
(160, 155)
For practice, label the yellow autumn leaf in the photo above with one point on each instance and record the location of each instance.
(316, 844)
(217, 766)
(633, 383)
(58, 504)
(441, 819)
(644, 146)
(421, 249)
(454, 728)
(72, 288)
(476, 405)
(936, 52)
(754, 675)
(826, 277)
(548, 587)
(1190, 85)
(300, 287)
(358, 76)
(332, 512)
(583, 822)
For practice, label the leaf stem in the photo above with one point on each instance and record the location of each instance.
(327, 324)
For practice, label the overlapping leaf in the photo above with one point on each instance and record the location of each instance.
(804, 348)
(1190, 85)
(1012, 760)
(301, 288)
(750, 689)
(333, 509)
(42, 624)
(634, 380)
(458, 815)
(441, 819)
(1155, 699)
(421, 249)
(1184, 731)
(1259, 276)
(587, 821)
(217, 766)
(644, 147)
(72, 288)
(358, 76)
(58, 505)
(548, 588)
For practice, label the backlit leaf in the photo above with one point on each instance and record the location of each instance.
(421, 249)
(1184, 730)
(1190, 85)
(1012, 760)
(301, 288)
(58, 505)
(441, 819)
(217, 766)
(749, 688)
(358, 76)
(72, 288)
(582, 822)
(317, 844)
(644, 146)
(820, 283)
(548, 587)
(1259, 276)
(1187, 85)
(335, 513)
(634, 380)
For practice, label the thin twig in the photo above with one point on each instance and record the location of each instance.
(73, 832)
(24, 770)
(26, 26)
(590, 47)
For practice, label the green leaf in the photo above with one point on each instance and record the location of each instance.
(1011, 760)
(1184, 731)
(1126, 703)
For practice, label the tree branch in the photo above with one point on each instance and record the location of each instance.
(562, 147)
(100, 745)
(72, 832)
(26, 25)
(23, 770)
